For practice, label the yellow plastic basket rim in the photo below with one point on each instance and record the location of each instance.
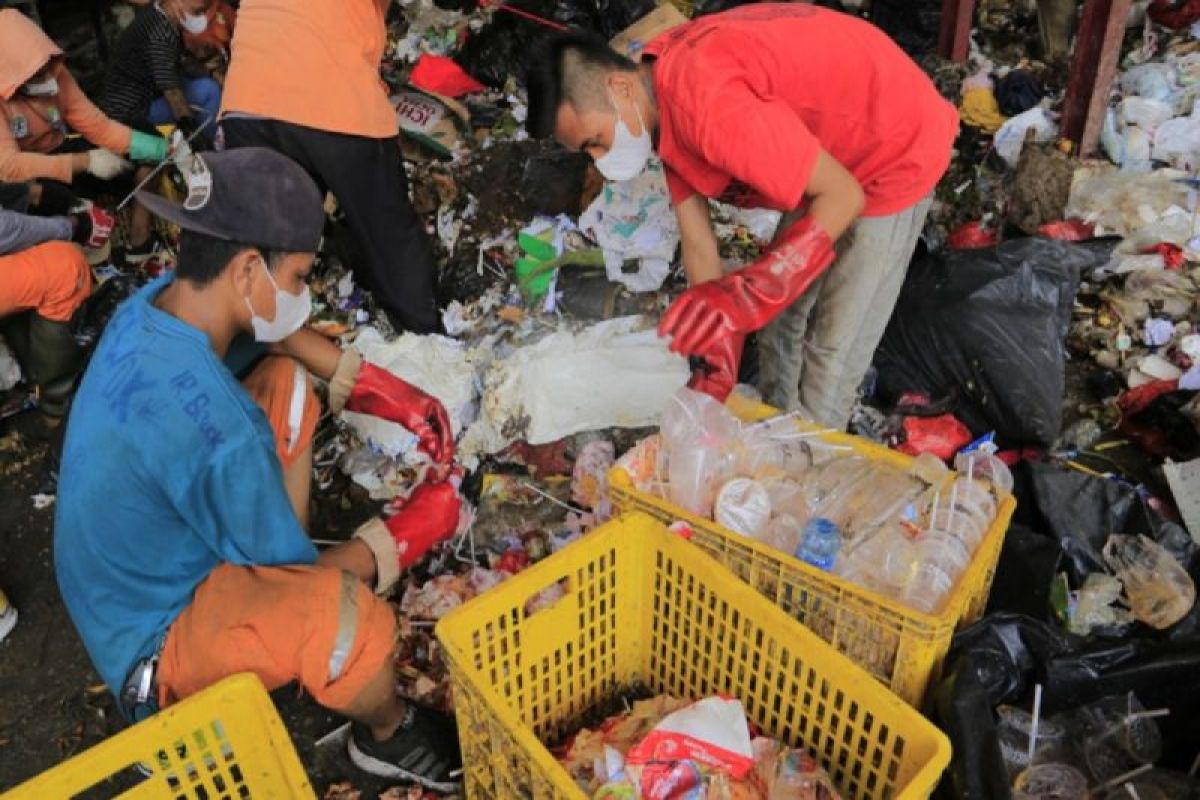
(739, 591)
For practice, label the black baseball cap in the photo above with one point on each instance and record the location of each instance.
(251, 195)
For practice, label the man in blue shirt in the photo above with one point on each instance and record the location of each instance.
(179, 541)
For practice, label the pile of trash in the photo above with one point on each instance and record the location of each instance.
(672, 748)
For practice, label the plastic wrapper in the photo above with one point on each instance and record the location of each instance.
(1094, 605)
(1159, 590)
(698, 432)
(987, 327)
(1010, 139)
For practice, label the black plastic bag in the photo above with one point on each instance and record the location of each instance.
(502, 46)
(988, 326)
(912, 24)
(605, 17)
(1018, 91)
(999, 659)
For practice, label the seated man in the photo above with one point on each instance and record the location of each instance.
(178, 542)
(145, 87)
(44, 278)
(40, 101)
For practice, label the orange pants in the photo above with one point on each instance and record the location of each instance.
(52, 279)
(320, 626)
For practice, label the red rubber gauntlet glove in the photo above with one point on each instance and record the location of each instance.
(428, 517)
(93, 227)
(751, 297)
(719, 374)
(381, 394)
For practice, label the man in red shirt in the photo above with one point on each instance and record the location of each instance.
(787, 106)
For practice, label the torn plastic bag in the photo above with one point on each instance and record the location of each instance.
(989, 324)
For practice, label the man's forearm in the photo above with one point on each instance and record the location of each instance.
(318, 354)
(20, 231)
(354, 557)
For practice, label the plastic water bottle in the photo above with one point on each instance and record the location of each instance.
(820, 543)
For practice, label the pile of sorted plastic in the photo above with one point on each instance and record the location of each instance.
(670, 748)
(907, 534)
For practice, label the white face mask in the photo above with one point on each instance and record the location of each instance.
(628, 155)
(195, 23)
(291, 312)
(44, 88)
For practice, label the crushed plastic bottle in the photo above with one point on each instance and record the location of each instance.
(1159, 589)
(820, 543)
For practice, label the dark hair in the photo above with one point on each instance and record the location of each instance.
(202, 258)
(563, 69)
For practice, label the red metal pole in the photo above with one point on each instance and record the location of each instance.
(954, 29)
(1093, 67)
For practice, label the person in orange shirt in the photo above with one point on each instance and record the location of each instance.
(40, 101)
(304, 80)
(44, 278)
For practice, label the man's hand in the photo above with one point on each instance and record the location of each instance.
(719, 371)
(92, 227)
(751, 297)
(105, 165)
(381, 394)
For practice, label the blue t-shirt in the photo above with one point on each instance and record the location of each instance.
(168, 470)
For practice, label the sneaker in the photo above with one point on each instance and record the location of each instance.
(424, 750)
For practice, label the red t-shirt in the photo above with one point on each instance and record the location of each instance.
(748, 97)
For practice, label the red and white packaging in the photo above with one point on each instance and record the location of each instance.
(712, 732)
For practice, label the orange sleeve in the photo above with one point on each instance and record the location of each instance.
(82, 115)
(17, 166)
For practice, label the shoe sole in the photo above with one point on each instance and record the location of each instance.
(383, 769)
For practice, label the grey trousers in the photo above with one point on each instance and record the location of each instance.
(813, 356)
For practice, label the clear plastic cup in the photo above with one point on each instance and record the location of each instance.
(1050, 782)
(928, 589)
(945, 551)
(783, 533)
(743, 506)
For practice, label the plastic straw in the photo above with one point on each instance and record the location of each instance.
(1132, 791)
(1128, 776)
(1195, 765)
(1158, 712)
(552, 498)
(1037, 712)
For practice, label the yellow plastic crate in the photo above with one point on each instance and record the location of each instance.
(644, 609)
(224, 743)
(902, 647)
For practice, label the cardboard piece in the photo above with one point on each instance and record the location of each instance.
(1184, 480)
(633, 40)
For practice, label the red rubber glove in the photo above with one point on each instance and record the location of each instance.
(93, 227)
(751, 297)
(428, 517)
(381, 394)
(719, 374)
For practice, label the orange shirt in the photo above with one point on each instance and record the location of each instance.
(313, 63)
(748, 97)
(32, 127)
